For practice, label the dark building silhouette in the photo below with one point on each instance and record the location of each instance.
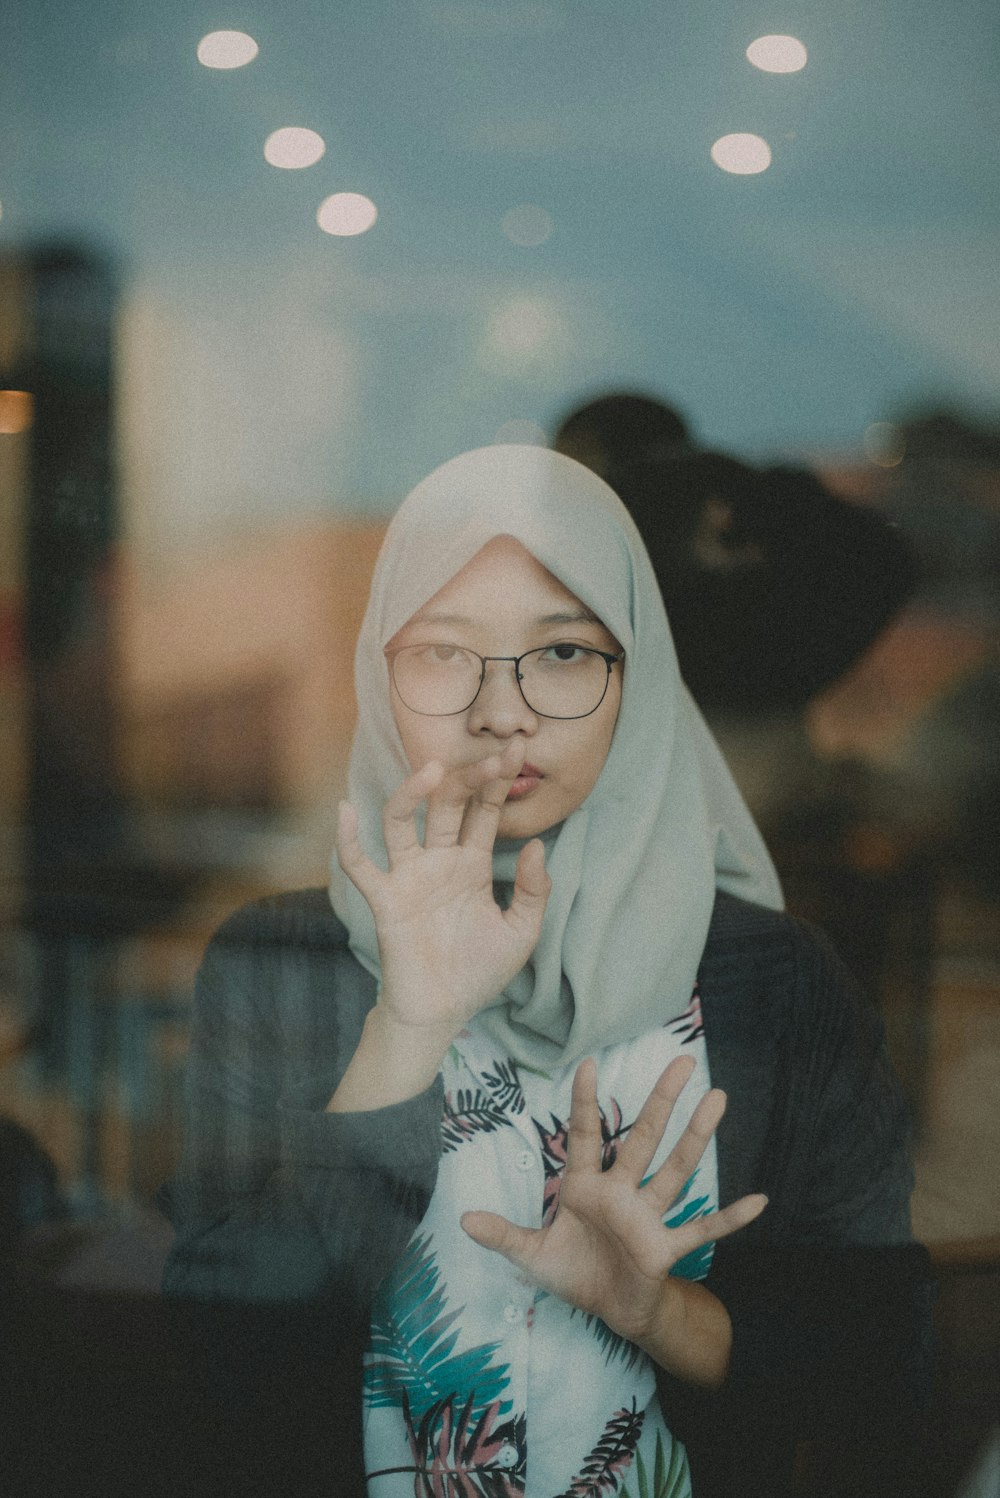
(56, 339)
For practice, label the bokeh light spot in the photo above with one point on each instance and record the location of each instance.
(227, 49)
(526, 433)
(293, 147)
(527, 225)
(17, 409)
(346, 213)
(884, 444)
(742, 154)
(521, 326)
(778, 54)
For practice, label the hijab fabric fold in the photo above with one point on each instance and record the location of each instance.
(635, 868)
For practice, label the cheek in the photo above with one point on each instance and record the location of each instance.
(586, 760)
(408, 729)
(415, 747)
(426, 738)
(605, 729)
(599, 754)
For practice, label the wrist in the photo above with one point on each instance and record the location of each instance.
(393, 1063)
(405, 1036)
(690, 1334)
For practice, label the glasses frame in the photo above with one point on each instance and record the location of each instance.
(607, 657)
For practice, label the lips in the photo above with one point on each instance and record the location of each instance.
(528, 778)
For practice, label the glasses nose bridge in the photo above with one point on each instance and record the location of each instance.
(510, 660)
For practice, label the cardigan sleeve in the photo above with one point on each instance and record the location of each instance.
(277, 1201)
(829, 1297)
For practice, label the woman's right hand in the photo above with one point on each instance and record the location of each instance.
(446, 947)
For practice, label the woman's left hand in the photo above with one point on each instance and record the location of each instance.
(607, 1250)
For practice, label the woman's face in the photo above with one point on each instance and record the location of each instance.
(502, 603)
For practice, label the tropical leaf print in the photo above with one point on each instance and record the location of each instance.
(459, 1453)
(505, 1085)
(685, 1206)
(555, 1142)
(610, 1457)
(612, 1131)
(671, 1480)
(688, 1027)
(411, 1353)
(613, 1344)
(472, 1112)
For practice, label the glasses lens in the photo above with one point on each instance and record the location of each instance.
(436, 679)
(564, 681)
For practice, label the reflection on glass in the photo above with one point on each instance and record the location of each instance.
(16, 411)
(346, 213)
(528, 433)
(527, 225)
(778, 54)
(884, 444)
(742, 154)
(521, 326)
(293, 147)
(227, 49)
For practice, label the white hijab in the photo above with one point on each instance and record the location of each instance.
(634, 869)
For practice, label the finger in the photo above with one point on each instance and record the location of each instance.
(583, 1152)
(356, 864)
(532, 886)
(715, 1225)
(683, 1159)
(482, 816)
(501, 1237)
(643, 1138)
(399, 828)
(445, 811)
(456, 797)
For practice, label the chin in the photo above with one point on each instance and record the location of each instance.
(524, 821)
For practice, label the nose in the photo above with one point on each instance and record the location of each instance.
(499, 709)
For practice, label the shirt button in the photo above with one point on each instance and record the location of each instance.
(525, 1160)
(507, 1455)
(512, 1312)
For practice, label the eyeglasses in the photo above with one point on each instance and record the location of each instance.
(556, 681)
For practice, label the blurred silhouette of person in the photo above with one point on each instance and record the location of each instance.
(945, 495)
(625, 426)
(774, 587)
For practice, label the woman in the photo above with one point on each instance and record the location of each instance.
(472, 1114)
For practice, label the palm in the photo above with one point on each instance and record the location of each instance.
(607, 1251)
(441, 924)
(446, 948)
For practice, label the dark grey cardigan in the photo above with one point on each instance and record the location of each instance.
(287, 1216)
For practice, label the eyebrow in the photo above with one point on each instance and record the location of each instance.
(569, 616)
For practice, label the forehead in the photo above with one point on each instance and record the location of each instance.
(503, 580)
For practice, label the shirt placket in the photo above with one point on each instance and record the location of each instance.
(520, 1161)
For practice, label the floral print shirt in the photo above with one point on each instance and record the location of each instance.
(480, 1385)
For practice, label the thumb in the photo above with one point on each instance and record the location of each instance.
(531, 887)
(350, 854)
(500, 1236)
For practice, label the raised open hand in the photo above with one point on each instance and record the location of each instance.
(446, 948)
(607, 1250)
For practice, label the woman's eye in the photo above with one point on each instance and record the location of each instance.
(564, 654)
(443, 653)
